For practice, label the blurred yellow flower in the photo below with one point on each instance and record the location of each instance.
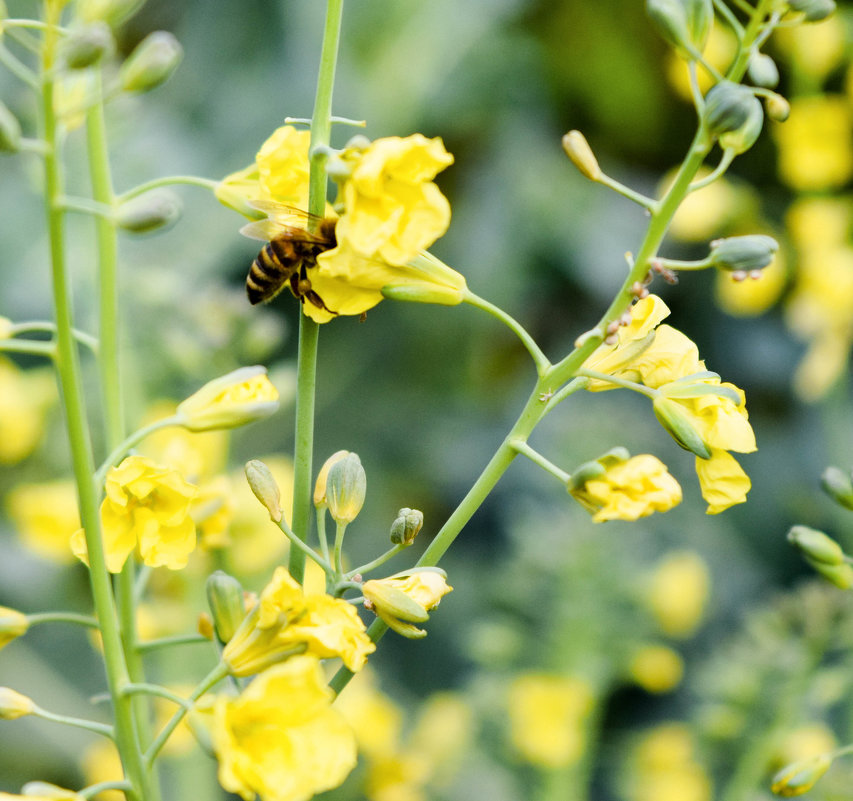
(397, 777)
(656, 668)
(815, 148)
(815, 49)
(240, 397)
(665, 769)
(45, 516)
(547, 718)
(25, 396)
(281, 738)
(376, 720)
(629, 490)
(720, 50)
(754, 296)
(704, 214)
(101, 763)
(407, 598)
(12, 625)
(285, 621)
(443, 730)
(212, 511)
(146, 505)
(677, 593)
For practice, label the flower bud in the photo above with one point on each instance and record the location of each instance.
(323, 475)
(44, 791)
(729, 108)
(12, 624)
(6, 326)
(113, 12)
(148, 212)
(13, 705)
(672, 416)
(264, 487)
(235, 399)
(225, 599)
(685, 24)
(799, 777)
(346, 487)
(87, 45)
(840, 575)
(151, 63)
(745, 137)
(777, 108)
(10, 130)
(407, 598)
(838, 485)
(816, 546)
(814, 10)
(762, 70)
(406, 526)
(205, 626)
(579, 151)
(743, 253)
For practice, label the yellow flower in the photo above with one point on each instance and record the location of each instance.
(397, 777)
(281, 738)
(703, 214)
(12, 625)
(407, 598)
(240, 397)
(755, 296)
(670, 356)
(376, 720)
(45, 516)
(350, 283)
(628, 490)
(547, 718)
(393, 210)
(146, 505)
(25, 396)
(283, 166)
(815, 151)
(677, 593)
(723, 481)
(656, 668)
(665, 769)
(212, 511)
(285, 622)
(814, 50)
(442, 732)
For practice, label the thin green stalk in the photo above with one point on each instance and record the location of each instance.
(94, 789)
(62, 617)
(134, 439)
(168, 180)
(378, 562)
(538, 459)
(78, 723)
(38, 326)
(68, 369)
(168, 642)
(158, 691)
(309, 331)
(304, 548)
(31, 348)
(582, 372)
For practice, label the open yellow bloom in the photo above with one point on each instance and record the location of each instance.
(45, 516)
(628, 490)
(547, 718)
(407, 598)
(281, 738)
(146, 505)
(285, 622)
(240, 397)
(723, 481)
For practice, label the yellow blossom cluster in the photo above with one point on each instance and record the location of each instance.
(287, 621)
(146, 506)
(390, 212)
(701, 412)
(25, 396)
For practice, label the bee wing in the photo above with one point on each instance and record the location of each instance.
(285, 214)
(264, 230)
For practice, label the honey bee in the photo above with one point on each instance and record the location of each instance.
(289, 251)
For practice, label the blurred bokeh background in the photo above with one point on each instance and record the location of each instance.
(548, 609)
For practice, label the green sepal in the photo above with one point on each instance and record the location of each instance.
(406, 630)
(698, 390)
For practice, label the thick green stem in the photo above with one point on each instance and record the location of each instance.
(68, 369)
(306, 365)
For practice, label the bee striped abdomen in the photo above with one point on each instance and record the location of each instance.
(268, 274)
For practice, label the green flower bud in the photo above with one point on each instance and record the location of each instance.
(86, 46)
(816, 546)
(729, 107)
(745, 137)
(777, 108)
(406, 526)
(225, 599)
(838, 485)
(799, 777)
(579, 151)
(743, 253)
(113, 12)
(762, 70)
(322, 477)
(685, 24)
(151, 63)
(13, 705)
(264, 487)
(10, 130)
(346, 487)
(148, 212)
(423, 293)
(672, 416)
(840, 575)
(815, 10)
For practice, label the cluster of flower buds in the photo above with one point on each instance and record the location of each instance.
(685, 24)
(406, 526)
